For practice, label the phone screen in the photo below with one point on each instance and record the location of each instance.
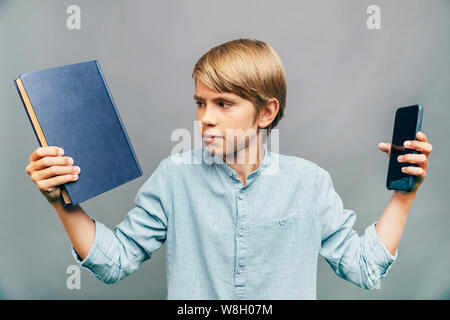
(406, 125)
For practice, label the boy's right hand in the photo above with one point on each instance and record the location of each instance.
(48, 169)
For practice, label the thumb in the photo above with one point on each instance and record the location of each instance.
(385, 147)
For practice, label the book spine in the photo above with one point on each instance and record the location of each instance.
(119, 119)
(26, 111)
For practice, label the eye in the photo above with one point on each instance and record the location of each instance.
(224, 104)
(198, 103)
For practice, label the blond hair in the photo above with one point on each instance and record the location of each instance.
(249, 68)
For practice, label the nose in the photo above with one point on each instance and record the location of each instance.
(208, 116)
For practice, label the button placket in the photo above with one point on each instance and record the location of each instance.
(241, 246)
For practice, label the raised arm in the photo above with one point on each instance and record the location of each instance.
(392, 222)
(110, 254)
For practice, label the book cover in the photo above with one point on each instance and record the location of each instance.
(72, 107)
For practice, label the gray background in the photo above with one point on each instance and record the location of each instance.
(344, 83)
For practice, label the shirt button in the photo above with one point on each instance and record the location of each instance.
(282, 222)
(230, 173)
(239, 270)
(241, 197)
(241, 232)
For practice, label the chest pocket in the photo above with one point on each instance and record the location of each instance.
(282, 238)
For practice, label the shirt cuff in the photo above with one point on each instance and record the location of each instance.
(379, 254)
(97, 260)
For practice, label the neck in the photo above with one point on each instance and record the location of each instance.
(246, 160)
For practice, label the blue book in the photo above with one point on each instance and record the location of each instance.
(71, 107)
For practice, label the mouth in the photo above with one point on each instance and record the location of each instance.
(210, 138)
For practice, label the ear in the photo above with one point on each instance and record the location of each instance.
(268, 113)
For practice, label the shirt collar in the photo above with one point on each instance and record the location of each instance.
(217, 161)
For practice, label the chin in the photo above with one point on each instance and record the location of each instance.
(218, 149)
(214, 150)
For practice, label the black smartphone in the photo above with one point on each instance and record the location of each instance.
(408, 121)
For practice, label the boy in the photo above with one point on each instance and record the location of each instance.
(235, 229)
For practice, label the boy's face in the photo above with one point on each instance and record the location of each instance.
(227, 117)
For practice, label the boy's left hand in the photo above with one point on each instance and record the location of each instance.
(421, 159)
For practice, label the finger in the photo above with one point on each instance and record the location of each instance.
(419, 159)
(56, 181)
(383, 146)
(54, 171)
(421, 146)
(49, 161)
(46, 151)
(415, 171)
(422, 136)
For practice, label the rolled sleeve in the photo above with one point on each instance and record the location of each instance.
(379, 259)
(380, 254)
(117, 253)
(97, 261)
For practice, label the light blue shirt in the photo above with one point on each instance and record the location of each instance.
(229, 241)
